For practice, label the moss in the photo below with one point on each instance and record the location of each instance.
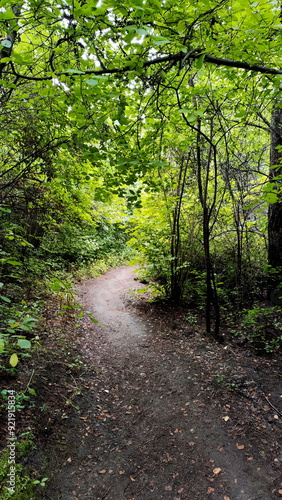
(16, 481)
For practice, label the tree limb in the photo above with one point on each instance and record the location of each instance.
(174, 58)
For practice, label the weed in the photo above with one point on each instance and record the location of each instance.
(191, 318)
(264, 328)
(219, 378)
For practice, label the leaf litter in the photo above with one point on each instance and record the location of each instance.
(139, 408)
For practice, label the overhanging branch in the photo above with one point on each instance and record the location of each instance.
(174, 58)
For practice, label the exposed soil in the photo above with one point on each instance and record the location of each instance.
(163, 415)
(165, 412)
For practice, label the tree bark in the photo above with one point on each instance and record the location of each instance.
(275, 209)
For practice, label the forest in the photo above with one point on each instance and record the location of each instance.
(149, 132)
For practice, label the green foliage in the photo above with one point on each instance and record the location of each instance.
(264, 328)
(18, 322)
(24, 482)
(64, 288)
(163, 115)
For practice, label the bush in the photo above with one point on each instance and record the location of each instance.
(263, 328)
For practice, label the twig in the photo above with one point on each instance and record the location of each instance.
(29, 382)
(229, 349)
(270, 404)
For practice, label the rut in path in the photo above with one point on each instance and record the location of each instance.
(149, 425)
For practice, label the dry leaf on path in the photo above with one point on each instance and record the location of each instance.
(210, 490)
(217, 471)
(240, 446)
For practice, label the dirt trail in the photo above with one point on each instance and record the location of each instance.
(151, 424)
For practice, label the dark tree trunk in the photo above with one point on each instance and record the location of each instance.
(275, 209)
(211, 291)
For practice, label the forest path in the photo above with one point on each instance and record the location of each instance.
(150, 425)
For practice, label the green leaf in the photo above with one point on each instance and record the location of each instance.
(6, 43)
(159, 40)
(14, 360)
(32, 391)
(200, 61)
(24, 344)
(93, 319)
(2, 345)
(92, 82)
(141, 31)
(75, 71)
(89, 314)
(5, 298)
(271, 198)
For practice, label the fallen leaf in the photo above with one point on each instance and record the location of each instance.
(132, 479)
(121, 472)
(180, 491)
(168, 488)
(276, 417)
(210, 490)
(226, 418)
(217, 471)
(280, 492)
(240, 446)
(226, 498)
(191, 443)
(69, 459)
(102, 471)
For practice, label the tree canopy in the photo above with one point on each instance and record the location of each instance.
(143, 105)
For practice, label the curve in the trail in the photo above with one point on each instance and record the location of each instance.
(104, 297)
(148, 427)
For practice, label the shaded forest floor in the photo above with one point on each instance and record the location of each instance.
(143, 406)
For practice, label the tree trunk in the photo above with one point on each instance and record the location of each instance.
(275, 209)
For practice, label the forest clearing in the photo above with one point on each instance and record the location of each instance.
(143, 134)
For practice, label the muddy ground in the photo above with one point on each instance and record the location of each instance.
(162, 412)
